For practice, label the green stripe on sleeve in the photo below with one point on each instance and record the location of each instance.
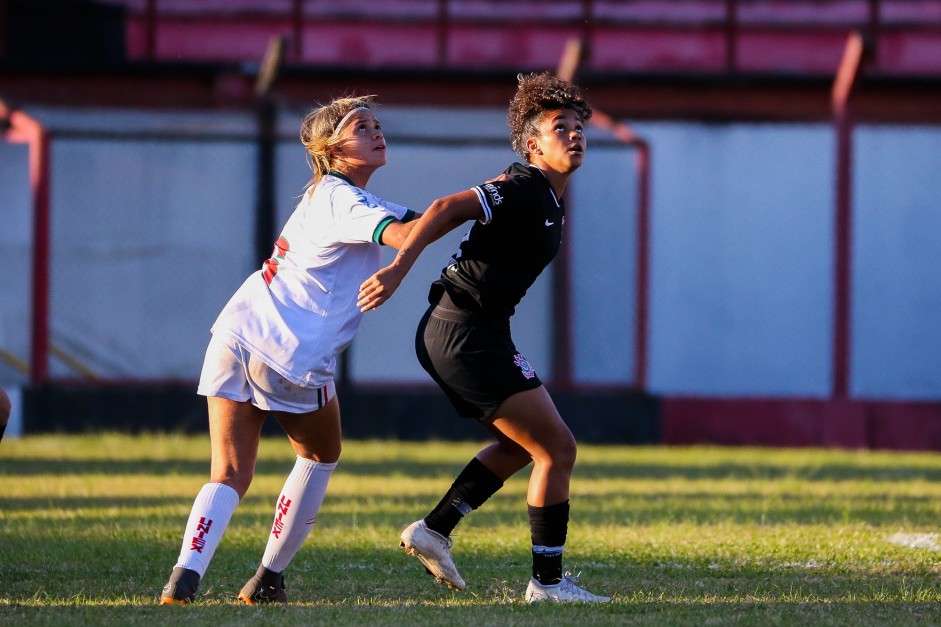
(377, 234)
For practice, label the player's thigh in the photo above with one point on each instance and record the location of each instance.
(474, 362)
(234, 431)
(314, 435)
(530, 420)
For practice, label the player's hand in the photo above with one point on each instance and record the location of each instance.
(378, 288)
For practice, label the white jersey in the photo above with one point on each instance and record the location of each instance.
(299, 311)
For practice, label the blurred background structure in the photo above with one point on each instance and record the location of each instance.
(753, 250)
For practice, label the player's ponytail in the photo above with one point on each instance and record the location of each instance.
(320, 132)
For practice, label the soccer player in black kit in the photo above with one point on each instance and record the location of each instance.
(464, 340)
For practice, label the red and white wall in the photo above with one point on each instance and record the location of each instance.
(152, 218)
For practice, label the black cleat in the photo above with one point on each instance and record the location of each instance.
(181, 589)
(266, 586)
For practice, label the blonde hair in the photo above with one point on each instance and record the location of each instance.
(320, 135)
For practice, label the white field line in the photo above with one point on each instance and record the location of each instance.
(928, 541)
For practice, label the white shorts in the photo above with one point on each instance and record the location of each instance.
(230, 371)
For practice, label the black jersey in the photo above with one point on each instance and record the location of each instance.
(503, 253)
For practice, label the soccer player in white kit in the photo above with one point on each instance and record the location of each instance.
(275, 344)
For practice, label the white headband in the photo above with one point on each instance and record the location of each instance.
(345, 119)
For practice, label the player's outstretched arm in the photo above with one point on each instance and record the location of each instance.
(443, 216)
(397, 232)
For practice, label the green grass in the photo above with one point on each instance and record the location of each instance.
(90, 528)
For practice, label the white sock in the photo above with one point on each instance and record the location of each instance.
(208, 519)
(296, 511)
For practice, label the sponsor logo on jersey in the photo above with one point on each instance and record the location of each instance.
(494, 193)
(525, 367)
(361, 197)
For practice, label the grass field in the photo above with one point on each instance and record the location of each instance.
(90, 528)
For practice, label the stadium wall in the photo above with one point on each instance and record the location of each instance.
(152, 230)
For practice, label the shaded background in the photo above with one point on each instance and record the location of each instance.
(159, 144)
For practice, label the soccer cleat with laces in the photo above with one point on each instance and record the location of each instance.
(434, 551)
(181, 589)
(563, 592)
(266, 586)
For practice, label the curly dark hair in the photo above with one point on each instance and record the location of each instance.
(535, 95)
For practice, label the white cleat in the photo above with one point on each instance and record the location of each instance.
(563, 592)
(434, 551)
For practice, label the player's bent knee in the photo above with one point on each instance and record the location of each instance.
(564, 452)
(322, 457)
(323, 450)
(238, 481)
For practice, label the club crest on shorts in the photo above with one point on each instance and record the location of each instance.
(525, 367)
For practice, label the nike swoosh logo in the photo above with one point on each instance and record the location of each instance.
(549, 223)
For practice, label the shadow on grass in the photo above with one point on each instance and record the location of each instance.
(27, 467)
(398, 508)
(357, 582)
(482, 614)
(587, 469)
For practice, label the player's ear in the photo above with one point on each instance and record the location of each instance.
(532, 146)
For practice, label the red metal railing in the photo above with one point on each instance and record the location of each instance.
(620, 35)
(18, 127)
(843, 235)
(567, 69)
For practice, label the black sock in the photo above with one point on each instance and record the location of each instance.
(2, 429)
(470, 490)
(548, 527)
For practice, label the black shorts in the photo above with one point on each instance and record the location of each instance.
(473, 360)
